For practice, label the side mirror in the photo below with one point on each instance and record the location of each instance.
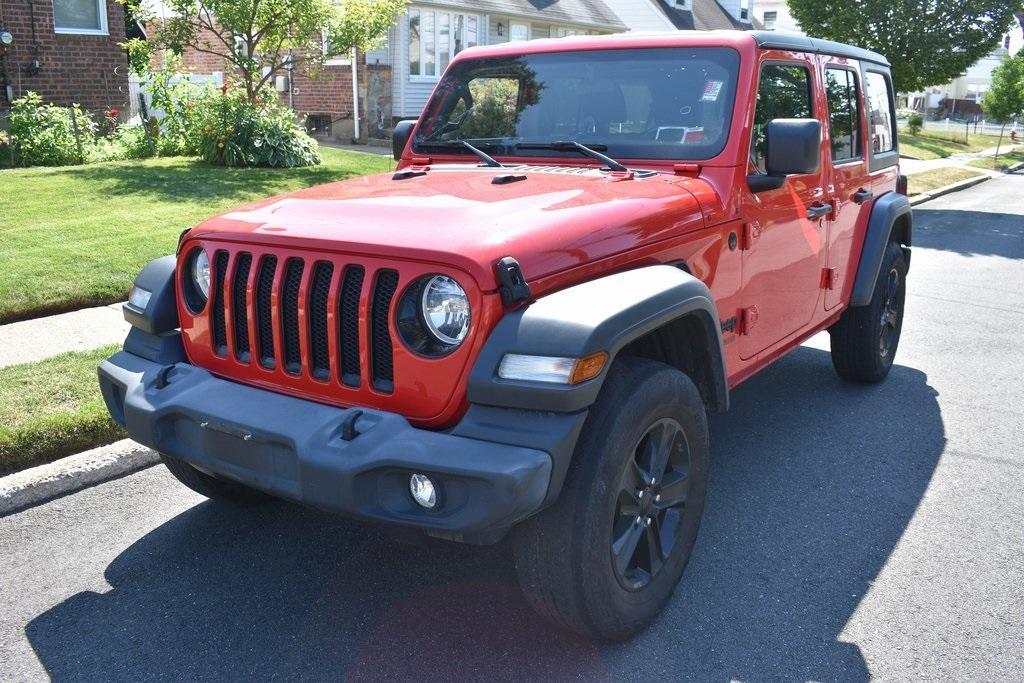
(793, 148)
(401, 137)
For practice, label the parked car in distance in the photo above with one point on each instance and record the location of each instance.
(587, 244)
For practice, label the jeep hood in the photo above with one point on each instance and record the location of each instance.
(554, 219)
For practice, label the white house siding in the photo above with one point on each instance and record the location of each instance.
(492, 30)
(640, 15)
(410, 94)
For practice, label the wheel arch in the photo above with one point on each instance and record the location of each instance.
(657, 312)
(891, 219)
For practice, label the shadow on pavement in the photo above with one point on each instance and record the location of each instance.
(813, 483)
(971, 233)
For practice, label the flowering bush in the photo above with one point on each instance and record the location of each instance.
(232, 131)
(179, 98)
(44, 134)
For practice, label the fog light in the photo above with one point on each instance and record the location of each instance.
(422, 490)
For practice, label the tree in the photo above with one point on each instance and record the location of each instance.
(928, 42)
(1005, 99)
(260, 37)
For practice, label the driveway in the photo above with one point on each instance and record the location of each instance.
(851, 531)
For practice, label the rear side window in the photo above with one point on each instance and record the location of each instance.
(879, 98)
(843, 119)
(784, 93)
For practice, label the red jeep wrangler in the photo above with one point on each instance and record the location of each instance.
(587, 244)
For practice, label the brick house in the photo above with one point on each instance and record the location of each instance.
(65, 50)
(395, 80)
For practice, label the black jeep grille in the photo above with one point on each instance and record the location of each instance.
(293, 299)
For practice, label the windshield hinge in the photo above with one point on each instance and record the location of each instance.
(421, 161)
(686, 169)
(511, 282)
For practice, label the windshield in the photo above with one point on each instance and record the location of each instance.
(664, 103)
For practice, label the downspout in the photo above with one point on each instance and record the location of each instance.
(355, 95)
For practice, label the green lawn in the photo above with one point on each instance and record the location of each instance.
(925, 181)
(53, 408)
(933, 144)
(1006, 160)
(76, 236)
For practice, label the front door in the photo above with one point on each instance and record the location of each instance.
(784, 249)
(850, 185)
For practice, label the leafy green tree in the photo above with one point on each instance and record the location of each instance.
(928, 41)
(260, 37)
(1005, 99)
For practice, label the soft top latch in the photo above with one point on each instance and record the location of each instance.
(511, 283)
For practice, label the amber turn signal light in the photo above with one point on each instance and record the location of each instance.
(588, 367)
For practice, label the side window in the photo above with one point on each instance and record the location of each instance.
(878, 93)
(784, 93)
(843, 119)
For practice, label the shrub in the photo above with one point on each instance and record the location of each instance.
(44, 134)
(179, 98)
(915, 122)
(232, 131)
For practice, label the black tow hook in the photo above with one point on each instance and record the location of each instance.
(163, 377)
(348, 425)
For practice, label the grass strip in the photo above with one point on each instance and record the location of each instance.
(53, 408)
(926, 181)
(76, 236)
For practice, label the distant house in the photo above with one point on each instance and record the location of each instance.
(961, 98)
(395, 80)
(774, 16)
(424, 40)
(709, 15)
(66, 50)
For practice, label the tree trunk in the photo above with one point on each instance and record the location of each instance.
(998, 144)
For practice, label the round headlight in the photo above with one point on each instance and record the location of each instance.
(201, 272)
(433, 316)
(445, 309)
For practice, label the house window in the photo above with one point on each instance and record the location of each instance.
(769, 20)
(517, 31)
(340, 59)
(1006, 42)
(80, 16)
(436, 37)
(744, 9)
(563, 31)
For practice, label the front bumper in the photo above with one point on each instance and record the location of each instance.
(295, 449)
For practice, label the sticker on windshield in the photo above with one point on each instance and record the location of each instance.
(711, 91)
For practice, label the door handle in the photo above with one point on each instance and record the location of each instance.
(818, 211)
(861, 196)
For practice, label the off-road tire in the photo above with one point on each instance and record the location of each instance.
(564, 555)
(865, 339)
(210, 486)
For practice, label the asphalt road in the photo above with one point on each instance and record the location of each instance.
(850, 532)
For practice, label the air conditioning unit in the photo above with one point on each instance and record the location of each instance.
(281, 82)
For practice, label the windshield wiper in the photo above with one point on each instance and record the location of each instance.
(484, 156)
(573, 146)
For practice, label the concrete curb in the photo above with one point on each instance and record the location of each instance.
(947, 189)
(73, 473)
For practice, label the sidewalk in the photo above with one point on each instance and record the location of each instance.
(910, 166)
(34, 340)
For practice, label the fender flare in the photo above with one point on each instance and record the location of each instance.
(604, 314)
(885, 213)
(160, 315)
